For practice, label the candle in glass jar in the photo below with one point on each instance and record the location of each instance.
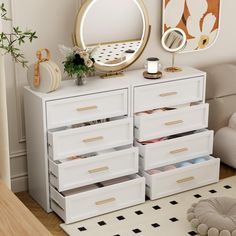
(152, 65)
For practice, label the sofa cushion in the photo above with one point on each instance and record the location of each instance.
(221, 80)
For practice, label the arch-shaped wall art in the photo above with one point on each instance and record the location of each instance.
(199, 19)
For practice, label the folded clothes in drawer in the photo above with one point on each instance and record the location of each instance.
(173, 149)
(182, 176)
(171, 122)
(79, 205)
(106, 165)
(79, 141)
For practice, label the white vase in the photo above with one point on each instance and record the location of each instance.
(4, 142)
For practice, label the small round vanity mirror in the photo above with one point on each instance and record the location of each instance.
(174, 40)
(117, 30)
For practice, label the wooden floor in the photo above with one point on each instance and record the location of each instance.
(52, 221)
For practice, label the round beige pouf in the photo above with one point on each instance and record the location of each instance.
(214, 216)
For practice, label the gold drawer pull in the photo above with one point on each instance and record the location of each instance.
(179, 150)
(168, 94)
(101, 169)
(175, 122)
(180, 181)
(90, 140)
(87, 108)
(106, 201)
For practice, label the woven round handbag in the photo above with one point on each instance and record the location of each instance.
(44, 76)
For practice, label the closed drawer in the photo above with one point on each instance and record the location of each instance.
(98, 201)
(86, 108)
(77, 173)
(168, 94)
(182, 179)
(175, 150)
(78, 141)
(167, 123)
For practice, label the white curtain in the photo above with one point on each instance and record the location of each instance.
(4, 142)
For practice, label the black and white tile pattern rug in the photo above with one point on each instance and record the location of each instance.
(163, 217)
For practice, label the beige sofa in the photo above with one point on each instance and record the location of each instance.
(221, 95)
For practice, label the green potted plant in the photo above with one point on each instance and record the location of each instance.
(78, 63)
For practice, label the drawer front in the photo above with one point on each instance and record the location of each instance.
(77, 173)
(182, 179)
(86, 108)
(99, 201)
(176, 150)
(168, 94)
(78, 141)
(171, 122)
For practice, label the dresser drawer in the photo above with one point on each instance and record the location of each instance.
(182, 179)
(98, 201)
(167, 123)
(168, 94)
(78, 141)
(81, 172)
(79, 109)
(174, 150)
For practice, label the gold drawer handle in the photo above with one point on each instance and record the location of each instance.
(97, 170)
(90, 140)
(175, 122)
(179, 150)
(87, 108)
(168, 94)
(180, 181)
(106, 201)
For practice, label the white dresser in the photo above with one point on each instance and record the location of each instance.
(170, 123)
(81, 158)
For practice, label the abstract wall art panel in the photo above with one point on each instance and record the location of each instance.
(200, 20)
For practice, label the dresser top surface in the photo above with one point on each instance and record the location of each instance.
(70, 89)
(135, 77)
(97, 85)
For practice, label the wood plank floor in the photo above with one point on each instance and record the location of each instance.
(52, 221)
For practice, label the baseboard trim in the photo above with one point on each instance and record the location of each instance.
(19, 183)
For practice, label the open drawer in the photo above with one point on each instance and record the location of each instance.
(168, 94)
(162, 124)
(81, 172)
(183, 178)
(175, 150)
(82, 205)
(79, 141)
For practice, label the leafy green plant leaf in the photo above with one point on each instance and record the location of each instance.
(10, 41)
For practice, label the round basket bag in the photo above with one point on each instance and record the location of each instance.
(44, 76)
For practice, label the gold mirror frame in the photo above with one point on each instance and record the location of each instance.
(78, 39)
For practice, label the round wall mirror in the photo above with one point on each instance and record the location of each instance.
(117, 30)
(174, 40)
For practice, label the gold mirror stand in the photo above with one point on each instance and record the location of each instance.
(173, 68)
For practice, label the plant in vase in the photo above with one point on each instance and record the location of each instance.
(78, 63)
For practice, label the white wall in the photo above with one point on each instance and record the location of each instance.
(54, 21)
